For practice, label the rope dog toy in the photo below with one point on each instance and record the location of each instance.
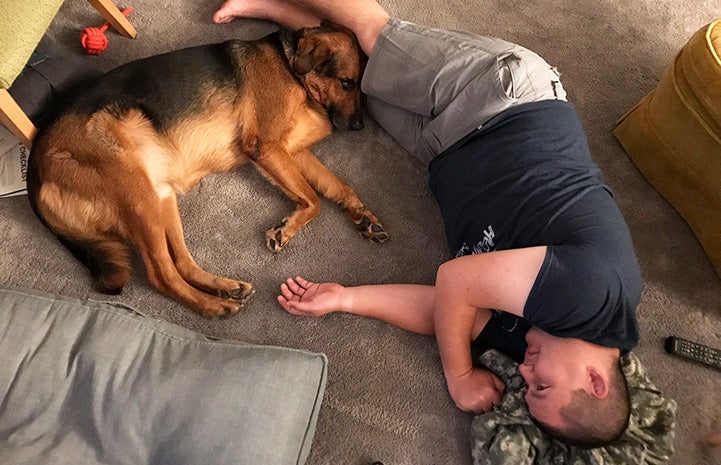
(93, 39)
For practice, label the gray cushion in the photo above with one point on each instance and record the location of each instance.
(86, 382)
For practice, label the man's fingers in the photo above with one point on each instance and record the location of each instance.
(483, 402)
(286, 292)
(284, 303)
(499, 385)
(496, 398)
(290, 307)
(485, 406)
(304, 283)
(490, 408)
(293, 286)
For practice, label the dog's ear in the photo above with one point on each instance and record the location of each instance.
(310, 55)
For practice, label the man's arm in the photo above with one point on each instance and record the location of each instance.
(499, 280)
(407, 306)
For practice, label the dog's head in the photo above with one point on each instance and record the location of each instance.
(329, 63)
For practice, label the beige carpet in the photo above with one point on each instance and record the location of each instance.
(386, 398)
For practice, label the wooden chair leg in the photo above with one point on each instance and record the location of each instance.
(15, 119)
(115, 17)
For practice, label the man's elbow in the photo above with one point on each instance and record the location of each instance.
(447, 276)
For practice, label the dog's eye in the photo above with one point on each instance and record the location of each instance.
(347, 84)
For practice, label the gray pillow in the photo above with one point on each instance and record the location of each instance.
(86, 382)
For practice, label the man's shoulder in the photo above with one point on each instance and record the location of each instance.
(588, 294)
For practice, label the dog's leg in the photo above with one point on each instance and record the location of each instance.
(329, 186)
(188, 269)
(146, 226)
(276, 165)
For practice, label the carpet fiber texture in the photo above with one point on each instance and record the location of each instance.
(386, 397)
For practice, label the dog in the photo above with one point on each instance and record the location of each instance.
(106, 173)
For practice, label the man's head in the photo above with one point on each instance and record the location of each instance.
(577, 392)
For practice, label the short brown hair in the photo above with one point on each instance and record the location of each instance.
(590, 422)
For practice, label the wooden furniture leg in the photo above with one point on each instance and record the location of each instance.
(115, 17)
(15, 119)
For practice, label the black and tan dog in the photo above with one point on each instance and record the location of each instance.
(107, 172)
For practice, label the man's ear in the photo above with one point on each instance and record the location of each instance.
(598, 382)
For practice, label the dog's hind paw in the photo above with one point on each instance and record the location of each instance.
(372, 231)
(219, 308)
(241, 293)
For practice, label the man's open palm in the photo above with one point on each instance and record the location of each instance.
(301, 297)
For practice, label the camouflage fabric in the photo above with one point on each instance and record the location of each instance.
(507, 435)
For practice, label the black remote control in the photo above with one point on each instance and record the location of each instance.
(694, 351)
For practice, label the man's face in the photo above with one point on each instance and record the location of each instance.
(553, 369)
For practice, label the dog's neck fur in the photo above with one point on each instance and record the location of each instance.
(288, 43)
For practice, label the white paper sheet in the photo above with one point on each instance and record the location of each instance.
(13, 164)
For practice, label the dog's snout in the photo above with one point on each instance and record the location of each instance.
(344, 121)
(356, 122)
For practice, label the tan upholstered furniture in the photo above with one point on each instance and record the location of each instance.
(22, 25)
(673, 135)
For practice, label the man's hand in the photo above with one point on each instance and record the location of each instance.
(476, 391)
(304, 298)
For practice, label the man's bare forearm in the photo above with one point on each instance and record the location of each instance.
(407, 306)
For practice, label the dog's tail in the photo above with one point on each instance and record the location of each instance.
(107, 259)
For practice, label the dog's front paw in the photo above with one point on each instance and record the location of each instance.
(372, 230)
(274, 239)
